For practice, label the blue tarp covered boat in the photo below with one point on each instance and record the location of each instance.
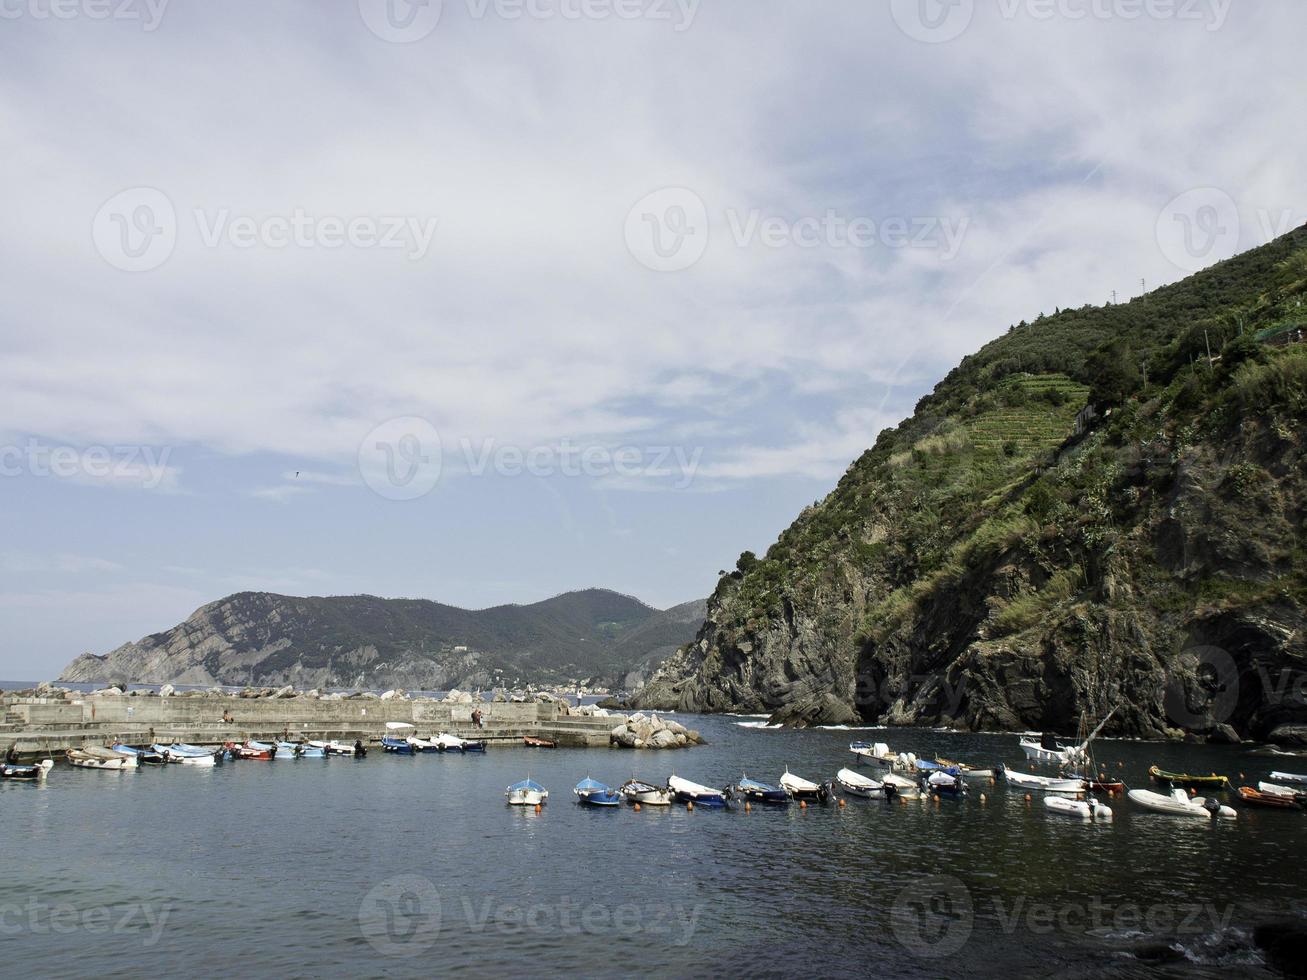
(594, 793)
(526, 793)
(146, 757)
(397, 745)
(755, 792)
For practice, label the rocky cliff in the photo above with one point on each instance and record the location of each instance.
(365, 641)
(1091, 511)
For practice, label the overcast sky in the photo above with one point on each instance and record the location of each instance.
(538, 296)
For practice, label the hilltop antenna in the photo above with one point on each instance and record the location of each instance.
(1143, 284)
(1114, 297)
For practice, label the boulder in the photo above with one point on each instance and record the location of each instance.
(663, 739)
(617, 732)
(287, 691)
(639, 744)
(1288, 735)
(167, 691)
(675, 727)
(500, 697)
(397, 693)
(627, 739)
(681, 740)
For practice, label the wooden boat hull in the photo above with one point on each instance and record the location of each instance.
(1252, 797)
(538, 743)
(113, 761)
(1187, 781)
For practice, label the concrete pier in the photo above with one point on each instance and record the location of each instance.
(45, 727)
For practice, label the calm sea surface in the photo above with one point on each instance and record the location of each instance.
(397, 866)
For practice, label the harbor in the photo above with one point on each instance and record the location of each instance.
(37, 727)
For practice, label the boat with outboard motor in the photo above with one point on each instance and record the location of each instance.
(1279, 801)
(691, 792)
(638, 791)
(799, 788)
(945, 782)
(591, 792)
(526, 793)
(356, 750)
(856, 784)
(1179, 803)
(250, 749)
(38, 770)
(454, 743)
(183, 754)
(144, 757)
(878, 754)
(1089, 809)
(753, 791)
(1289, 777)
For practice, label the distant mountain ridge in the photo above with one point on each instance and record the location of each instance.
(367, 641)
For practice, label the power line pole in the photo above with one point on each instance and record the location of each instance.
(1210, 365)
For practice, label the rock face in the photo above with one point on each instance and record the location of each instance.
(364, 641)
(651, 732)
(1054, 532)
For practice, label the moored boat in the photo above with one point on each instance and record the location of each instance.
(799, 788)
(400, 746)
(1185, 780)
(263, 751)
(1280, 801)
(753, 791)
(99, 757)
(638, 791)
(691, 792)
(945, 782)
(144, 757)
(1177, 802)
(422, 744)
(968, 772)
(591, 792)
(1289, 777)
(901, 786)
(526, 793)
(340, 748)
(1048, 784)
(878, 754)
(1089, 809)
(857, 784)
(190, 755)
(1278, 790)
(453, 743)
(37, 770)
(531, 742)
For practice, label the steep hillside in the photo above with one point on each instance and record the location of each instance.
(365, 641)
(1088, 512)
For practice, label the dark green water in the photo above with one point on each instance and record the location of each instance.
(395, 866)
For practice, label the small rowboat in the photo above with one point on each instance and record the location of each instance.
(856, 784)
(1179, 804)
(756, 792)
(1288, 777)
(99, 757)
(1083, 809)
(804, 789)
(878, 754)
(400, 746)
(252, 750)
(340, 748)
(1280, 801)
(1275, 789)
(453, 743)
(532, 742)
(190, 755)
(1186, 781)
(37, 771)
(422, 744)
(590, 792)
(968, 772)
(896, 785)
(638, 791)
(144, 757)
(688, 792)
(1048, 784)
(526, 793)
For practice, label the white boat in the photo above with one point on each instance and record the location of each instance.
(1089, 809)
(858, 784)
(901, 786)
(1047, 784)
(1044, 749)
(187, 755)
(1288, 777)
(638, 791)
(334, 747)
(526, 793)
(878, 754)
(98, 757)
(422, 744)
(799, 788)
(1180, 803)
(1276, 789)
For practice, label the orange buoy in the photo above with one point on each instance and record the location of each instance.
(637, 808)
(841, 803)
(1027, 797)
(982, 797)
(689, 804)
(748, 807)
(803, 804)
(1192, 791)
(903, 801)
(537, 808)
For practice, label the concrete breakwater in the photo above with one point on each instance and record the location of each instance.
(36, 726)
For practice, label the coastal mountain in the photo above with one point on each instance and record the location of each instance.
(1102, 508)
(366, 641)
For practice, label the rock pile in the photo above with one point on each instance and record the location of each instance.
(641, 731)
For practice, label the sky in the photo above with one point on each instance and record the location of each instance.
(486, 300)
